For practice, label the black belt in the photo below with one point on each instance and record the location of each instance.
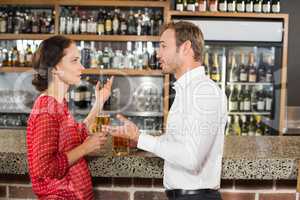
(178, 192)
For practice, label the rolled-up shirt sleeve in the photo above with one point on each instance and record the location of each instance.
(47, 161)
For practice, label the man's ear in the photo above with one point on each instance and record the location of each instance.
(187, 45)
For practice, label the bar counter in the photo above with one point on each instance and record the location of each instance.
(265, 157)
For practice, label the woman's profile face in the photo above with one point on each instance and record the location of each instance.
(69, 69)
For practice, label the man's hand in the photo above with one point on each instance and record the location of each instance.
(128, 130)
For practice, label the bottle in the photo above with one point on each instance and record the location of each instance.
(69, 26)
(233, 100)
(62, 22)
(213, 5)
(35, 24)
(83, 23)
(76, 21)
(260, 100)
(202, 5)
(100, 24)
(131, 24)
(191, 5)
(234, 70)
(116, 22)
(106, 58)
(269, 70)
(179, 5)
(252, 68)
(259, 126)
(123, 24)
(108, 24)
(215, 70)
(10, 21)
(275, 6)
(240, 5)
(243, 69)
(252, 126)
(247, 99)
(15, 59)
(269, 100)
(241, 98)
(185, 4)
(236, 126)
(93, 56)
(257, 6)
(244, 127)
(261, 71)
(249, 5)
(223, 5)
(82, 94)
(28, 56)
(254, 99)
(230, 127)
(86, 56)
(206, 64)
(231, 6)
(266, 6)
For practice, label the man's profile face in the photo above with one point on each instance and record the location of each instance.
(169, 57)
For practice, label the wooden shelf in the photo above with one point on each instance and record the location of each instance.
(228, 14)
(28, 2)
(15, 69)
(124, 72)
(113, 3)
(112, 38)
(12, 36)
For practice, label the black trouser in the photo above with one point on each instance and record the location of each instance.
(202, 194)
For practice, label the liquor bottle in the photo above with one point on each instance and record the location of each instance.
(215, 69)
(233, 99)
(35, 24)
(100, 24)
(123, 24)
(116, 22)
(93, 56)
(93, 24)
(202, 5)
(261, 71)
(69, 25)
(158, 22)
(241, 98)
(106, 58)
(83, 23)
(223, 5)
(249, 5)
(191, 5)
(82, 94)
(28, 56)
(146, 22)
(259, 126)
(22, 57)
(243, 69)
(275, 6)
(108, 24)
(252, 126)
(17, 23)
(10, 21)
(234, 70)
(266, 6)
(257, 6)
(206, 64)
(269, 69)
(260, 99)
(179, 5)
(76, 21)
(3, 18)
(269, 100)
(185, 4)
(252, 68)
(240, 5)
(229, 128)
(15, 59)
(245, 126)
(231, 6)
(131, 24)
(247, 99)
(236, 126)
(253, 99)
(213, 5)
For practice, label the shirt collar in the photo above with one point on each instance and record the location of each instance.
(188, 76)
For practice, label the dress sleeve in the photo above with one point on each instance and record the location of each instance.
(83, 131)
(47, 161)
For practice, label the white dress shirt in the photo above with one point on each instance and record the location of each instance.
(192, 146)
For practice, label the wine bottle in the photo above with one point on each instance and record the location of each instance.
(191, 5)
(261, 71)
(234, 70)
(259, 126)
(240, 5)
(260, 99)
(245, 127)
(247, 99)
(257, 6)
(269, 71)
(223, 5)
(252, 68)
(202, 5)
(233, 99)
(243, 69)
(252, 126)
(82, 94)
(236, 126)
(275, 6)
(206, 64)
(215, 71)
(213, 5)
(241, 98)
(230, 127)
(249, 5)
(231, 6)
(269, 100)
(179, 5)
(266, 6)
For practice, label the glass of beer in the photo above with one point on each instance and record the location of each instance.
(101, 119)
(120, 146)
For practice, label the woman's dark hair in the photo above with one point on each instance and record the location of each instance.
(46, 57)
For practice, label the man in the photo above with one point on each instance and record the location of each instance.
(192, 145)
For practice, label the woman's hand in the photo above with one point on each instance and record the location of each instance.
(103, 94)
(94, 142)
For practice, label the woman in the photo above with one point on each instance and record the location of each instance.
(56, 143)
